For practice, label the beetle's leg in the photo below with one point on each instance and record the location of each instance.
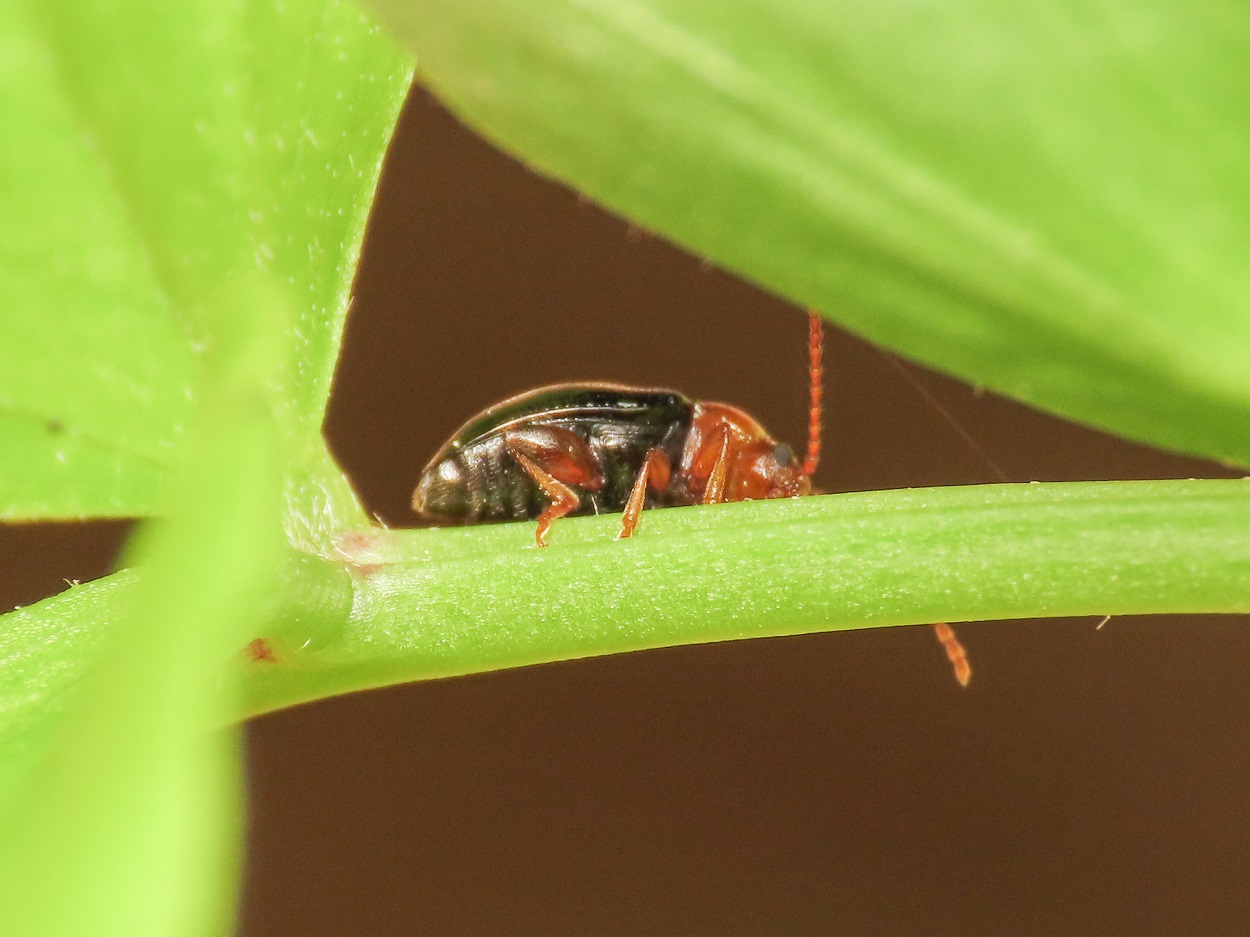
(563, 498)
(655, 473)
(560, 452)
(556, 458)
(714, 493)
(955, 652)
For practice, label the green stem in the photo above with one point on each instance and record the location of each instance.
(434, 603)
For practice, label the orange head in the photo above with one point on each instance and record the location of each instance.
(766, 469)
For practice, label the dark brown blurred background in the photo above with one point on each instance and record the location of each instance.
(1089, 782)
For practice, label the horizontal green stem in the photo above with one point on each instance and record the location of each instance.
(434, 603)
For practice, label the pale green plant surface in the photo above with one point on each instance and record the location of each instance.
(447, 602)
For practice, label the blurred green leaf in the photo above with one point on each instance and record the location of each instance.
(176, 180)
(1052, 200)
(45, 649)
(127, 823)
(152, 154)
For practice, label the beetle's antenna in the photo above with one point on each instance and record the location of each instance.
(815, 370)
(955, 652)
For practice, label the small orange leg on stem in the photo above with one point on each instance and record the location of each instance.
(556, 459)
(563, 498)
(955, 653)
(655, 474)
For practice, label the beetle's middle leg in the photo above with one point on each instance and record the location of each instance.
(654, 474)
(558, 460)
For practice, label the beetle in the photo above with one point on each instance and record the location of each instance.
(569, 449)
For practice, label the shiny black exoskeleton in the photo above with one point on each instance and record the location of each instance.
(477, 478)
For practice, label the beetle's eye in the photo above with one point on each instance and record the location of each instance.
(783, 454)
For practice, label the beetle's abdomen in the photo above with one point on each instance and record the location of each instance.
(475, 478)
(477, 484)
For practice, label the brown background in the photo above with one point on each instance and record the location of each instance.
(1089, 782)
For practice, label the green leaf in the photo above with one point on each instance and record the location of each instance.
(152, 154)
(1049, 200)
(127, 822)
(434, 603)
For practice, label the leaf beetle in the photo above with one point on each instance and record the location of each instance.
(600, 448)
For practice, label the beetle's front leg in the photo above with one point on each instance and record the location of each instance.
(714, 493)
